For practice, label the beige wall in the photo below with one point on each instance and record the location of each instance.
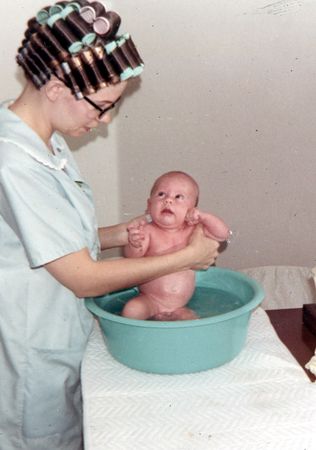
(228, 94)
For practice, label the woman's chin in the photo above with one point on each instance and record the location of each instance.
(79, 132)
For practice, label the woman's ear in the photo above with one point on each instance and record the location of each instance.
(55, 88)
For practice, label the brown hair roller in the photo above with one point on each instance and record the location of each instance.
(64, 33)
(80, 75)
(77, 41)
(105, 65)
(92, 69)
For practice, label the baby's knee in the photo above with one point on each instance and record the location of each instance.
(136, 309)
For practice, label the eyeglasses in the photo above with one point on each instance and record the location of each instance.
(101, 110)
(87, 99)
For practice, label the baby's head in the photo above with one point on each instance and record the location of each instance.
(173, 196)
(183, 180)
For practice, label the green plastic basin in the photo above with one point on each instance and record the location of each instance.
(223, 299)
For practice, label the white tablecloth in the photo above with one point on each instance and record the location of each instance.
(261, 400)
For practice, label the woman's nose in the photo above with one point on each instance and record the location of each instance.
(106, 118)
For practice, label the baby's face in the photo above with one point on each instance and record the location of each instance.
(172, 198)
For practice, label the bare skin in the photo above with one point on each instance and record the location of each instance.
(174, 219)
(58, 110)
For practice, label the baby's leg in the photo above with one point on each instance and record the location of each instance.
(137, 308)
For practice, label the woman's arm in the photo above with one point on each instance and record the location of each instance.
(113, 236)
(116, 235)
(86, 277)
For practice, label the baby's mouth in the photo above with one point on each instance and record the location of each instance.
(167, 211)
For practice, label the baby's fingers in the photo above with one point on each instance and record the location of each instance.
(136, 237)
(192, 217)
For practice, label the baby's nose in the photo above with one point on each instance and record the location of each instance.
(168, 200)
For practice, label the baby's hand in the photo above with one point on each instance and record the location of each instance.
(193, 217)
(136, 234)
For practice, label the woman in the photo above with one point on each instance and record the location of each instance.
(76, 69)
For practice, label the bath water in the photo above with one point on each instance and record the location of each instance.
(209, 302)
(206, 302)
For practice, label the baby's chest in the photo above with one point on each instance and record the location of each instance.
(162, 242)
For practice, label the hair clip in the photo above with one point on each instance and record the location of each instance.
(55, 9)
(71, 15)
(90, 12)
(42, 16)
(74, 86)
(104, 23)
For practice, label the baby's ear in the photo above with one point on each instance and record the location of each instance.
(148, 206)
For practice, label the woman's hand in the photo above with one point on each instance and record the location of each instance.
(205, 250)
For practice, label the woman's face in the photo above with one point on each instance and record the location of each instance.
(77, 117)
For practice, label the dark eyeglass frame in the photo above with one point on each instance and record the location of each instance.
(102, 110)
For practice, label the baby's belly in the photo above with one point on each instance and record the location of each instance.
(171, 291)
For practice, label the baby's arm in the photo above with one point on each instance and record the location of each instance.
(213, 226)
(138, 240)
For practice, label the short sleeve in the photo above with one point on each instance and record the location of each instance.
(36, 205)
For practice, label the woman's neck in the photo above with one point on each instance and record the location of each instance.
(29, 107)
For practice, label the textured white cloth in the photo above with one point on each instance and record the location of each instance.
(284, 286)
(311, 365)
(261, 400)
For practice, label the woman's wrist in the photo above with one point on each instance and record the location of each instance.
(183, 259)
(113, 236)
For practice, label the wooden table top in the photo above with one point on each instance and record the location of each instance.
(288, 323)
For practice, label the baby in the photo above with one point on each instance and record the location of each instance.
(172, 209)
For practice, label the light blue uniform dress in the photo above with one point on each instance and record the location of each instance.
(46, 212)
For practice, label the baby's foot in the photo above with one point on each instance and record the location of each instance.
(179, 314)
(184, 314)
(163, 316)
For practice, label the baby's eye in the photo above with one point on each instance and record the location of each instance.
(179, 197)
(161, 194)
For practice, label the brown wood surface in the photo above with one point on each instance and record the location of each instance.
(288, 323)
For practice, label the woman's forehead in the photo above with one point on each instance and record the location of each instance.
(110, 93)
